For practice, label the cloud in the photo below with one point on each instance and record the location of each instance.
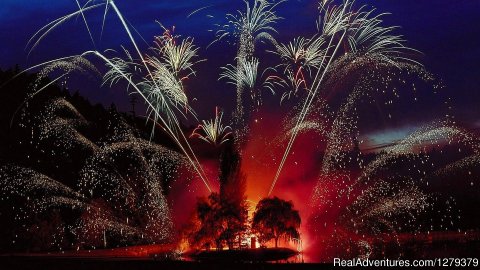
(384, 138)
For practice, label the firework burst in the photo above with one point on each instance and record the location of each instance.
(213, 131)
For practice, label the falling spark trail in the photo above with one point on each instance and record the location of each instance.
(103, 21)
(80, 8)
(198, 10)
(50, 26)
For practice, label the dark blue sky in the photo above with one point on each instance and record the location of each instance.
(446, 31)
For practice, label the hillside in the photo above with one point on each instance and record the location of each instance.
(75, 175)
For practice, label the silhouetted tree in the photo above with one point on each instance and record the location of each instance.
(234, 208)
(223, 217)
(218, 221)
(274, 218)
(209, 228)
(232, 194)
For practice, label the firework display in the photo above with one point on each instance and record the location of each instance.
(334, 141)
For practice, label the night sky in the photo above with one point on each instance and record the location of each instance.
(445, 31)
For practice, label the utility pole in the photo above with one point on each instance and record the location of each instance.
(133, 102)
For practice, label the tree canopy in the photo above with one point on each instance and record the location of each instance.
(218, 222)
(274, 218)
